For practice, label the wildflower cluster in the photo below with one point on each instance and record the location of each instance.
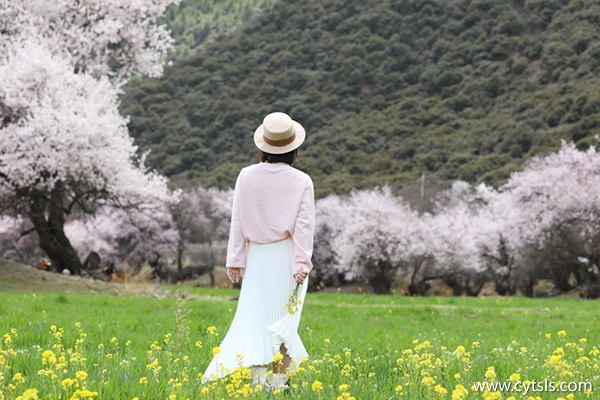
(294, 302)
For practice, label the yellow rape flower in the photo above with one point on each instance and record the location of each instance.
(29, 394)
(277, 358)
(425, 345)
(515, 377)
(399, 389)
(440, 390)
(317, 386)
(18, 377)
(48, 357)
(561, 334)
(67, 383)
(212, 330)
(490, 373)
(492, 396)
(428, 381)
(81, 375)
(216, 350)
(459, 392)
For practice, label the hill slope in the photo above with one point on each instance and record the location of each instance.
(193, 22)
(14, 276)
(387, 90)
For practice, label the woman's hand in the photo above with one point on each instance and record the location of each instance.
(235, 274)
(301, 276)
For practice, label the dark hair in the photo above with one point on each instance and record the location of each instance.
(287, 158)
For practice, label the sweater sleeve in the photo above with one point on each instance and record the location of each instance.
(304, 230)
(236, 248)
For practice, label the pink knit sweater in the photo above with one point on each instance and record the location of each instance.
(272, 202)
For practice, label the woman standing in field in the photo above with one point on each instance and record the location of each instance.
(270, 247)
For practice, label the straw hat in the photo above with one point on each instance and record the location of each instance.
(279, 134)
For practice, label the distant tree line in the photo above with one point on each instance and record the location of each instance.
(542, 225)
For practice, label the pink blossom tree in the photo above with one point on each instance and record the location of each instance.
(103, 38)
(63, 145)
(454, 237)
(557, 194)
(202, 216)
(131, 236)
(382, 238)
(17, 242)
(332, 214)
(500, 239)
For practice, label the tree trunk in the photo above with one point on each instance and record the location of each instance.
(48, 220)
(381, 284)
(418, 288)
(380, 277)
(455, 284)
(180, 249)
(474, 289)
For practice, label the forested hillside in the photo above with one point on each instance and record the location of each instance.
(193, 22)
(387, 90)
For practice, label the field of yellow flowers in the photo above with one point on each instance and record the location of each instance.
(78, 346)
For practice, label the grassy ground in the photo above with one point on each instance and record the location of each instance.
(69, 346)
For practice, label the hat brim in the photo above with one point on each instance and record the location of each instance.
(267, 148)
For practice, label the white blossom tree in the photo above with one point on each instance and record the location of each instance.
(63, 145)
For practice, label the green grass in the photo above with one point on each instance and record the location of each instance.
(373, 344)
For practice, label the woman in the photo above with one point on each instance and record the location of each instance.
(270, 247)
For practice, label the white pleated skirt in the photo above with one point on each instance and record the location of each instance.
(262, 323)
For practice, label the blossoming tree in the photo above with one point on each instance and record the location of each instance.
(131, 236)
(17, 243)
(332, 214)
(557, 194)
(455, 238)
(383, 237)
(202, 216)
(63, 145)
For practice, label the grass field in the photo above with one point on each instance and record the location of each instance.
(75, 346)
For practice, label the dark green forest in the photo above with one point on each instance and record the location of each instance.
(192, 23)
(387, 90)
